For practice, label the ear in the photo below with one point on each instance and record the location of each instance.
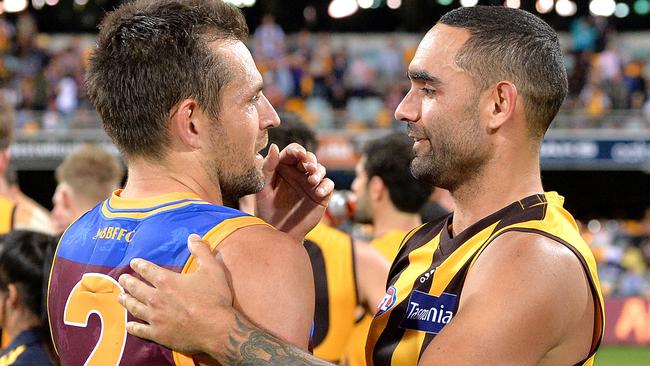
(185, 123)
(13, 296)
(376, 188)
(502, 102)
(4, 161)
(66, 198)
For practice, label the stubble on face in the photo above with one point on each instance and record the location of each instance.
(457, 150)
(234, 174)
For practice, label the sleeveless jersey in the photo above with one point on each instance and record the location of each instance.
(88, 324)
(355, 351)
(426, 279)
(7, 208)
(332, 258)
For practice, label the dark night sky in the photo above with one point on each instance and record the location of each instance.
(413, 16)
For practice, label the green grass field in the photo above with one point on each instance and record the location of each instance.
(623, 356)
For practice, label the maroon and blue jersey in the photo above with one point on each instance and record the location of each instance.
(87, 322)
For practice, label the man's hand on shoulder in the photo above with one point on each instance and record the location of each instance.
(175, 310)
(272, 281)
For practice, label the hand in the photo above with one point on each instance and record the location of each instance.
(296, 191)
(181, 311)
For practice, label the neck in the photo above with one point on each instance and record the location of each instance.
(23, 321)
(389, 219)
(495, 188)
(146, 179)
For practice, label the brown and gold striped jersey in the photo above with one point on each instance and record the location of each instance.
(427, 277)
(332, 258)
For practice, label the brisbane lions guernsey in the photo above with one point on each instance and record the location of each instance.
(88, 324)
(427, 277)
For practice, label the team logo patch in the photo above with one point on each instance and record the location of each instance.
(388, 301)
(428, 313)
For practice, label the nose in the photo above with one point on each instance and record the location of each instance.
(268, 116)
(408, 109)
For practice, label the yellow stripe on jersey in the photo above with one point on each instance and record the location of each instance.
(331, 254)
(7, 207)
(388, 245)
(419, 263)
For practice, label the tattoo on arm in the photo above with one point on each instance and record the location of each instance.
(249, 346)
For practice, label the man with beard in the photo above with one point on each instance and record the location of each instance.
(506, 279)
(181, 97)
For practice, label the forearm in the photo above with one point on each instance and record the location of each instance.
(248, 345)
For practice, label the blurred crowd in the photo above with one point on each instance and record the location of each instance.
(622, 249)
(331, 82)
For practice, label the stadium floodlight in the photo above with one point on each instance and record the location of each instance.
(365, 4)
(14, 6)
(342, 8)
(565, 8)
(642, 7)
(51, 2)
(38, 4)
(544, 6)
(603, 8)
(81, 2)
(622, 10)
(445, 2)
(468, 3)
(394, 4)
(513, 4)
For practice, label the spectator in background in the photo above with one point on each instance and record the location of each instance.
(15, 214)
(269, 39)
(85, 177)
(22, 263)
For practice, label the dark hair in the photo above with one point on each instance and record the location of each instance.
(512, 44)
(152, 54)
(389, 158)
(292, 129)
(22, 262)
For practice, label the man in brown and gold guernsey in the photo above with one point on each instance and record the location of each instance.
(347, 275)
(506, 279)
(389, 198)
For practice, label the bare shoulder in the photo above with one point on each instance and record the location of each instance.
(543, 273)
(262, 241)
(365, 255)
(272, 281)
(530, 258)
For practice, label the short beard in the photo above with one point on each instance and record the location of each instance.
(453, 160)
(235, 187)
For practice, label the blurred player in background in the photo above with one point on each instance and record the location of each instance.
(85, 177)
(347, 275)
(16, 211)
(181, 97)
(22, 256)
(389, 198)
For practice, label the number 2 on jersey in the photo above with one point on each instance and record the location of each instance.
(97, 293)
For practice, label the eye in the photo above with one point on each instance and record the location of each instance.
(256, 98)
(429, 92)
